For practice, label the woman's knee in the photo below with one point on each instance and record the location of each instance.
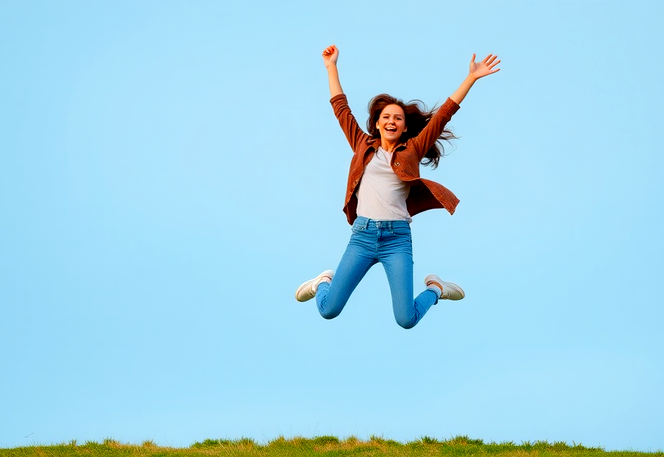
(405, 321)
(327, 309)
(329, 313)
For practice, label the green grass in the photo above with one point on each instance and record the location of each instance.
(460, 446)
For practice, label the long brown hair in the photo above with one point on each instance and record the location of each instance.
(417, 117)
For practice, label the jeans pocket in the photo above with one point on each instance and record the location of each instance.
(357, 228)
(401, 231)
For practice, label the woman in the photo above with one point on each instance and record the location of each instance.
(385, 190)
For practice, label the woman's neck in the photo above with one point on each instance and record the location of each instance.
(389, 146)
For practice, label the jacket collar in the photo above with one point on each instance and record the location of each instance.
(375, 143)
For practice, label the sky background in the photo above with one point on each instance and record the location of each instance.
(171, 171)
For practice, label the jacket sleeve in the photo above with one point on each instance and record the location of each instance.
(356, 137)
(430, 134)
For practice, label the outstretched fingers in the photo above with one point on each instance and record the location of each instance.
(488, 59)
(490, 62)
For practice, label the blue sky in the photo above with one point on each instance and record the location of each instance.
(171, 171)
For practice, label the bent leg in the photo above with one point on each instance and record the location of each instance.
(398, 264)
(332, 297)
(399, 271)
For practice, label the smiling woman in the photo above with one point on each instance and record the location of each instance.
(391, 123)
(385, 190)
(413, 117)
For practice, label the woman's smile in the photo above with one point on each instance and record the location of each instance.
(391, 123)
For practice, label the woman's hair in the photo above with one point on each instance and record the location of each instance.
(417, 117)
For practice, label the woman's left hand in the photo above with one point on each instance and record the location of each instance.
(483, 68)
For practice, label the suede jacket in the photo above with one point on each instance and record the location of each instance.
(424, 194)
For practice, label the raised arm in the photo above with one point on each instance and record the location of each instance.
(477, 71)
(330, 56)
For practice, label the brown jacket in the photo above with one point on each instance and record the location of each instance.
(424, 194)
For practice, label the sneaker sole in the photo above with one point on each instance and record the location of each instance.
(457, 291)
(308, 284)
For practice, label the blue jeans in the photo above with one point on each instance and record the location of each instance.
(387, 242)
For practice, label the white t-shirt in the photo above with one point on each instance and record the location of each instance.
(381, 195)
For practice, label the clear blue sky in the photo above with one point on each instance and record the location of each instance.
(171, 171)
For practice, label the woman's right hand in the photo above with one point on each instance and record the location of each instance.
(330, 56)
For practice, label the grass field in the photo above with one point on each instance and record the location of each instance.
(459, 446)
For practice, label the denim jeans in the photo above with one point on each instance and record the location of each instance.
(387, 242)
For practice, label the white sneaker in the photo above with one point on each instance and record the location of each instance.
(307, 291)
(448, 290)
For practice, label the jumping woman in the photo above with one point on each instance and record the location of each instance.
(385, 190)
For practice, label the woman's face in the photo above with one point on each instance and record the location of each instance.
(391, 123)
